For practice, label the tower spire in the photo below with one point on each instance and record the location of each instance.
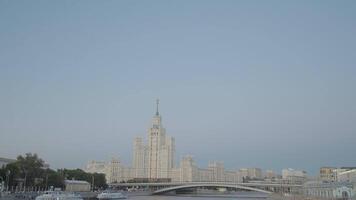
(157, 102)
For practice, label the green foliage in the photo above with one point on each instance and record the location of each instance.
(29, 171)
(14, 173)
(30, 167)
(54, 178)
(77, 174)
(100, 181)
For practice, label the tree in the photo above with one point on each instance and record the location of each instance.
(54, 178)
(29, 170)
(30, 167)
(14, 173)
(99, 180)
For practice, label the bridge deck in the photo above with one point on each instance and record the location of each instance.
(235, 186)
(266, 184)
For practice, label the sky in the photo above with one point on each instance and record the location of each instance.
(267, 84)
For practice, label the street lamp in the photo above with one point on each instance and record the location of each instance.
(46, 180)
(25, 179)
(2, 180)
(92, 181)
(7, 179)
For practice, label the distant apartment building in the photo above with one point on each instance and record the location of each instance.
(294, 176)
(270, 174)
(117, 172)
(255, 173)
(96, 167)
(327, 174)
(250, 174)
(188, 170)
(140, 158)
(217, 170)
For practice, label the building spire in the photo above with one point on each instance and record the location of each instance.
(157, 102)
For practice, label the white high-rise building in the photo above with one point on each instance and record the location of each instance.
(217, 169)
(139, 160)
(113, 174)
(167, 157)
(161, 149)
(188, 169)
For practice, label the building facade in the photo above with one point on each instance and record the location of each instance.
(327, 174)
(294, 176)
(270, 174)
(161, 150)
(140, 158)
(76, 186)
(96, 167)
(328, 190)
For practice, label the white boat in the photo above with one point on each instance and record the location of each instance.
(110, 195)
(57, 195)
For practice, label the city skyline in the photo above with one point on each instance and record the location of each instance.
(157, 128)
(267, 85)
(154, 160)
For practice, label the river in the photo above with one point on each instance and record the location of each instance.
(209, 196)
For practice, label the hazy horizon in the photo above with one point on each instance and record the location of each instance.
(253, 84)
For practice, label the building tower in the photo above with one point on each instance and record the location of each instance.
(139, 161)
(161, 149)
(156, 138)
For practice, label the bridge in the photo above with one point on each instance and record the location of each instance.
(207, 185)
(165, 187)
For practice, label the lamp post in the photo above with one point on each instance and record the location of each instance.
(25, 179)
(1, 188)
(92, 181)
(7, 179)
(46, 180)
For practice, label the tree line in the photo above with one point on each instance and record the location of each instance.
(30, 171)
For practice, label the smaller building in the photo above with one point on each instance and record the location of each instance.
(76, 186)
(328, 190)
(250, 174)
(350, 177)
(327, 174)
(270, 174)
(96, 167)
(347, 176)
(255, 173)
(294, 176)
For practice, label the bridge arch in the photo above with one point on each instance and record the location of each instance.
(170, 189)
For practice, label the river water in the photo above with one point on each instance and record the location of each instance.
(141, 196)
(191, 198)
(209, 196)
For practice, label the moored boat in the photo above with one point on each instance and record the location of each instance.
(57, 195)
(111, 195)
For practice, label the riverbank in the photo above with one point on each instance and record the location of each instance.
(33, 195)
(299, 197)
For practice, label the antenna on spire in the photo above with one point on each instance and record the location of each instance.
(157, 102)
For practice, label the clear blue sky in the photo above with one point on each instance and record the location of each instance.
(267, 84)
